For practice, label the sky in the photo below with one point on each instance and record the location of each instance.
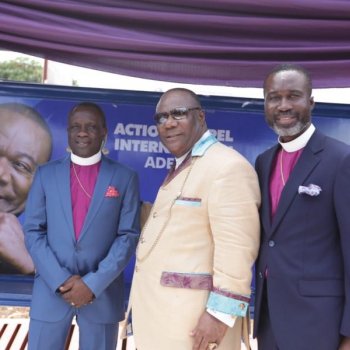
(63, 74)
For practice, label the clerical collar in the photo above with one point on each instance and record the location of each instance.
(86, 161)
(300, 142)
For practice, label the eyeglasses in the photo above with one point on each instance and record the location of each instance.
(177, 113)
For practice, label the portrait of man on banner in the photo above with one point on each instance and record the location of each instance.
(25, 143)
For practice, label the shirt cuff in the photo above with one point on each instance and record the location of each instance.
(227, 305)
(224, 318)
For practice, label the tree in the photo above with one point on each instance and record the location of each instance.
(21, 69)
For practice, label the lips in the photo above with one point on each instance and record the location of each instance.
(6, 205)
(6, 197)
(285, 119)
(172, 137)
(82, 143)
(85, 142)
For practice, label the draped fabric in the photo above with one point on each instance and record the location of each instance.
(220, 42)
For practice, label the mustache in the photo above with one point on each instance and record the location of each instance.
(286, 114)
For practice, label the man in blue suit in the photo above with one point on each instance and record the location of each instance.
(303, 268)
(81, 228)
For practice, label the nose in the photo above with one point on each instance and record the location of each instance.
(170, 122)
(82, 131)
(5, 171)
(284, 105)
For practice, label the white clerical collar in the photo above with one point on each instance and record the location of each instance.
(300, 142)
(86, 161)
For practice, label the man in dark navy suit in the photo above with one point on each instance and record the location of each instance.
(302, 282)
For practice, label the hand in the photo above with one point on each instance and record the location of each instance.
(75, 292)
(208, 330)
(12, 247)
(345, 344)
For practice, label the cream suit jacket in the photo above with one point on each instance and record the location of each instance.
(201, 239)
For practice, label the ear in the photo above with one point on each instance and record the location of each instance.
(103, 148)
(201, 117)
(312, 103)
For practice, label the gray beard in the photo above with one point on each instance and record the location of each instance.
(294, 130)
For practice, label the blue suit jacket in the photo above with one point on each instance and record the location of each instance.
(106, 243)
(306, 248)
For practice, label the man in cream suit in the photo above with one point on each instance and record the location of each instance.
(191, 285)
(81, 228)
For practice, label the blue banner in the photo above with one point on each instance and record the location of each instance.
(132, 134)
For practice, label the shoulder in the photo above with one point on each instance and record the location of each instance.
(268, 151)
(117, 166)
(337, 145)
(221, 156)
(331, 146)
(52, 164)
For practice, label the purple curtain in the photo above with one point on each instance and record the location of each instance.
(223, 42)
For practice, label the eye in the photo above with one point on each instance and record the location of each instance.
(273, 98)
(161, 118)
(91, 128)
(74, 128)
(179, 112)
(23, 167)
(294, 96)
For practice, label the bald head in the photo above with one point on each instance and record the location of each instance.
(180, 92)
(180, 120)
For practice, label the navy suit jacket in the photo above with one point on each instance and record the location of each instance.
(306, 248)
(106, 242)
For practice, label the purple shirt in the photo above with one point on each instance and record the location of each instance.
(282, 168)
(82, 192)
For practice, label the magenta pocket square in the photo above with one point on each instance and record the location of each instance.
(112, 192)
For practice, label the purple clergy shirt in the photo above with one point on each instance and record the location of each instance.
(283, 166)
(82, 184)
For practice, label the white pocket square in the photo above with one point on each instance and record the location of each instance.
(311, 190)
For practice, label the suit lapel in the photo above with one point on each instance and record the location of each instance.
(265, 183)
(103, 181)
(304, 167)
(63, 183)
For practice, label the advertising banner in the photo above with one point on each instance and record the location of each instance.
(132, 135)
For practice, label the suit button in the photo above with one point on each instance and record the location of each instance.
(272, 244)
(261, 275)
(155, 214)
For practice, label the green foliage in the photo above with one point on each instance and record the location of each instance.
(21, 69)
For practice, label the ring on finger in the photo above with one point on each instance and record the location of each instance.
(212, 346)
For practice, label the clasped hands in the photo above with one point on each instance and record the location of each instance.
(75, 292)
